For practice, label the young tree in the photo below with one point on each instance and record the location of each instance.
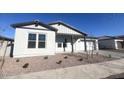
(91, 46)
(1, 43)
(2, 55)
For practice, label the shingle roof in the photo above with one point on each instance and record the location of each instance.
(36, 22)
(111, 37)
(105, 37)
(92, 37)
(120, 36)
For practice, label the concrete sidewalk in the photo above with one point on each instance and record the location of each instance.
(90, 71)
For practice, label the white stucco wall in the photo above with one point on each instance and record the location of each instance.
(110, 44)
(21, 43)
(92, 44)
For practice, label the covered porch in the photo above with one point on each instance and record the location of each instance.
(67, 43)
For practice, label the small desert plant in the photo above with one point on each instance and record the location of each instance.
(97, 53)
(59, 62)
(25, 65)
(81, 59)
(109, 56)
(65, 57)
(46, 57)
(17, 60)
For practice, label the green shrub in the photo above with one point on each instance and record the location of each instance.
(109, 56)
(25, 65)
(81, 59)
(59, 62)
(97, 53)
(46, 57)
(65, 57)
(17, 60)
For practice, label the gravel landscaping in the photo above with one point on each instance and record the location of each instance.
(16, 66)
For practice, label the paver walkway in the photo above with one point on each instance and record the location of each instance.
(90, 71)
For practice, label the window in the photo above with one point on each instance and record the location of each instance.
(32, 41)
(36, 41)
(59, 45)
(41, 41)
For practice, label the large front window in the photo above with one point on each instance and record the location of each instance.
(32, 41)
(36, 40)
(41, 41)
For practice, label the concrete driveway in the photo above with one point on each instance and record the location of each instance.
(116, 50)
(90, 71)
(112, 53)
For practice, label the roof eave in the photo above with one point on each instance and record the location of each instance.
(18, 25)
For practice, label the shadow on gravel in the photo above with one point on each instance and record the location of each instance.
(117, 76)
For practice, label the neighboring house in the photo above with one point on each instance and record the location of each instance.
(111, 42)
(6, 46)
(36, 39)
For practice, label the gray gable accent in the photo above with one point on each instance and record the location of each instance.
(62, 23)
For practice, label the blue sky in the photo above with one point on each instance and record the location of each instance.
(92, 23)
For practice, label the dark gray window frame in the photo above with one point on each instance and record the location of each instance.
(32, 41)
(42, 41)
(58, 44)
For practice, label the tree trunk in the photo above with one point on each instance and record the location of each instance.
(0, 49)
(3, 58)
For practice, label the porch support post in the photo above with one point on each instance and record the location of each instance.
(72, 50)
(85, 45)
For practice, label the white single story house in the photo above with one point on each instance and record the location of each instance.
(111, 42)
(37, 39)
(6, 46)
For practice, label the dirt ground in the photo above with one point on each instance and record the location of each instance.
(16, 66)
